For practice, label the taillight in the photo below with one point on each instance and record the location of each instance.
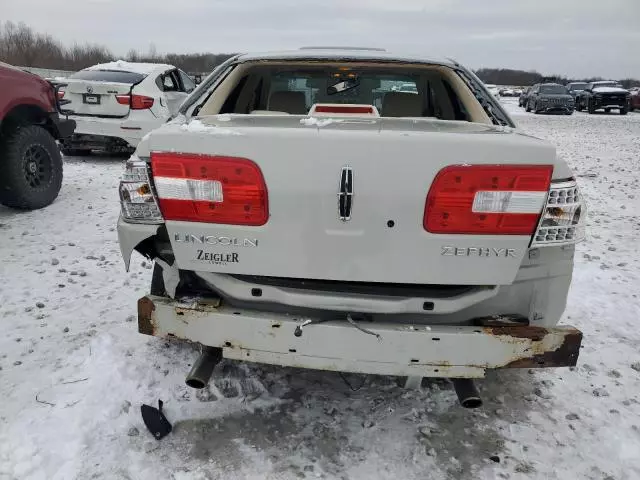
(563, 218)
(212, 189)
(60, 94)
(487, 199)
(137, 201)
(136, 102)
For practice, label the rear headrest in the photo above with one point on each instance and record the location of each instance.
(290, 102)
(401, 104)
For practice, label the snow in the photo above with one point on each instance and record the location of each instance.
(609, 90)
(141, 68)
(196, 126)
(75, 371)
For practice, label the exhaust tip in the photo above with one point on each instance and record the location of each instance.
(195, 383)
(467, 393)
(472, 402)
(202, 369)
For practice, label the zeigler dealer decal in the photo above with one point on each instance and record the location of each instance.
(217, 258)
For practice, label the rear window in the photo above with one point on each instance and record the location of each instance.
(395, 92)
(553, 89)
(116, 76)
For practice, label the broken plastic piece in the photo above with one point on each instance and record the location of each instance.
(155, 421)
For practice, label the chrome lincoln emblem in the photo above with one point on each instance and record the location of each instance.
(89, 89)
(345, 194)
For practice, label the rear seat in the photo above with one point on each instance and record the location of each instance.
(287, 101)
(400, 104)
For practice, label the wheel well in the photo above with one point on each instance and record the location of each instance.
(27, 115)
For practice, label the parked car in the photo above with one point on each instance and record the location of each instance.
(604, 95)
(576, 88)
(493, 90)
(550, 98)
(634, 98)
(517, 92)
(116, 104)
(443, 268)
(506, 92)
(524, 96)
(30, 124)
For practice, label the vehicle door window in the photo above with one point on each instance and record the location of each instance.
(188, 85)
(168, 82)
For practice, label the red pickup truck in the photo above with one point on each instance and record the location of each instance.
(30, 124)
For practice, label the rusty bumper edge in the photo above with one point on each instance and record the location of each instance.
(566, 355)
(146, 324)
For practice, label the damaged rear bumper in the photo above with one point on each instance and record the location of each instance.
(391, 349)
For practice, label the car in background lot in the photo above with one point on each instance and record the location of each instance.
(506, 92)
(30, 124)
(215, 198)
(493, 90)
(634, 98)
(524, 96)
(116, 104)
(604, 95)
(576, 88)
(550, 98)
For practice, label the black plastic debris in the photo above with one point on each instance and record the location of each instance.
(155, 420)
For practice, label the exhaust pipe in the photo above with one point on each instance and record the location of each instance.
(203, 367)
(468, 394)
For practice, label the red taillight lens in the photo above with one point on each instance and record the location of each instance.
(211, 189)
(123, 99)
(487, 199)
(60, 94)
(140, 102)
(136, 102)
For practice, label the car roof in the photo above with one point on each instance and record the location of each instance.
(133, 67)
(343, 53)
(551, 84)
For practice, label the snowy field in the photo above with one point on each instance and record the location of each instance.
(74, 371)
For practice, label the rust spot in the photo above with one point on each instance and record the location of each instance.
(146, 325)
(518, 331)
(566, 355)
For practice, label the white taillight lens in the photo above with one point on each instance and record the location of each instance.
(492, 201)
(189, 189)
(137, 201)
(562, 221)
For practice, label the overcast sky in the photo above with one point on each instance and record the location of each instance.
(573, 37)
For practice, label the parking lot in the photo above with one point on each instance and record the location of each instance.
(74, 371)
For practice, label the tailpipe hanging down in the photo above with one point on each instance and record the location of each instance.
(203, 367)
(468, 394)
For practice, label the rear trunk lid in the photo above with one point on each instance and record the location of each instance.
(393, 163)
(95, 98)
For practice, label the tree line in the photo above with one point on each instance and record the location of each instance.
(21, 45)
(505, 76)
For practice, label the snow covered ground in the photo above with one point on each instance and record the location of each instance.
(74, 371)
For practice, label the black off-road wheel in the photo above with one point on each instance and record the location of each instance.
(31, 168)
(528, 107)
(623, 110)
(591, 108)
